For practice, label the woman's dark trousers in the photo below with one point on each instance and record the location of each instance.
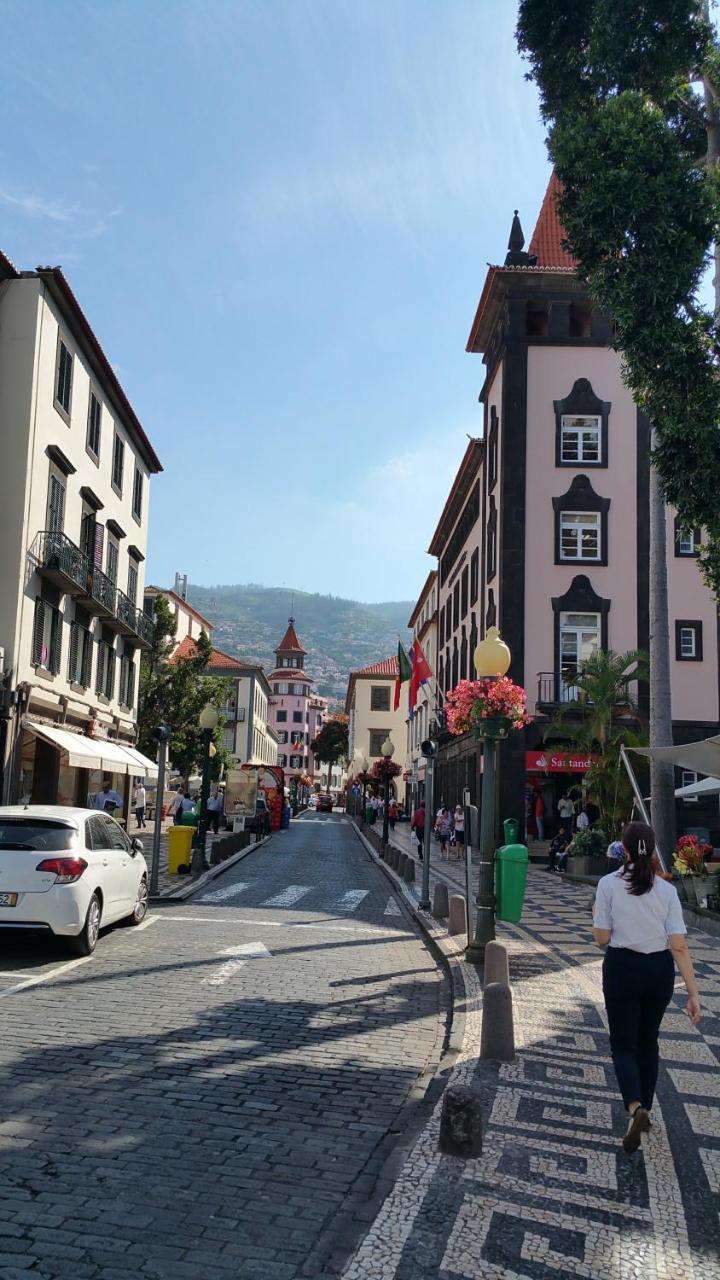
(637, 989)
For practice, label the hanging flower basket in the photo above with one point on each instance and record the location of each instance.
(487, 708)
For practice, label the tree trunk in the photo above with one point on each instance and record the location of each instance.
(662, 776)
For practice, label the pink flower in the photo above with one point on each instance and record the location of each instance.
(473, 701)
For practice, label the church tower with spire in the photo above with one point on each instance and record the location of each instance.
(291, 707)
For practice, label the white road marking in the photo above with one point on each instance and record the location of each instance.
(392, 908)
(146, 923)
(292, 894)
(240, 956)
(45, 977)
(230, 891)
(351, 900)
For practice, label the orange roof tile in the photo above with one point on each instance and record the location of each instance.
(547, 238)
(290, 640)
(188, 648)
(388, 667)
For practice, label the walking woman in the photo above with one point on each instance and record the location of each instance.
(443, 827)
(639, 920)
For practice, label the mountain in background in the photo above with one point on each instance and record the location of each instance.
(340, 635)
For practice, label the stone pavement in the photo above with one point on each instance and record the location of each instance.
(167, 884)
(553, 1194)
(215, 1095)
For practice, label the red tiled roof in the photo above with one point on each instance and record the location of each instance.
(7, 266)
(547, 238)
(188, 648)
(290, 641)
(388, 667)
(289, 673)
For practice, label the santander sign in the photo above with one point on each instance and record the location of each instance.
(557, 762)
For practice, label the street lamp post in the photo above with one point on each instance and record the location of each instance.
(492, 659)
(387, 751)
(208, 724)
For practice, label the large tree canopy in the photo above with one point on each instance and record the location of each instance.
(174, 693)
(628, 88)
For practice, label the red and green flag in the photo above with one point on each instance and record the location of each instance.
(404, 673)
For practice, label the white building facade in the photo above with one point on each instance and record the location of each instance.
(74, 492)
(423, 624)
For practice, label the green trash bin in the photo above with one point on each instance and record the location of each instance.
(189, 819)
(511, 874)
(511, 827)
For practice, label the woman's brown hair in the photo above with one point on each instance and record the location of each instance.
(639, 841)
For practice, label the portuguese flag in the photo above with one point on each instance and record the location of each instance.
(404, 673)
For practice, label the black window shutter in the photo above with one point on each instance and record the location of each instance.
(130, 698)
(86, 660)
(100, 674)
(73, 660)
(38, 631)
(110, 676)
(55, 641)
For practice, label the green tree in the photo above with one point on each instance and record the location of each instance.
(174, 692)
(331, 744)
(601, 715)
(630, 93)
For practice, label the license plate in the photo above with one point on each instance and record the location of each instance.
(8, 899)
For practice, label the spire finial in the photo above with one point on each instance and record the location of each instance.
(515, 255)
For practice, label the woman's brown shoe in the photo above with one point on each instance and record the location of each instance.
(639, 1124)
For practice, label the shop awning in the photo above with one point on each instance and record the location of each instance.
(82, 752)
(700, 757)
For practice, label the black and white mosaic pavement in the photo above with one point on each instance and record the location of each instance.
(553, 1194)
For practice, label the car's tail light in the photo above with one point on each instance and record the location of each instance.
(65, 870)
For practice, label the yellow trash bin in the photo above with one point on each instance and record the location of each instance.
(179, 846)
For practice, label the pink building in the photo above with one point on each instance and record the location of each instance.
(546, 530)
(294, 714)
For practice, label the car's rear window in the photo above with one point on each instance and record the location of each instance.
(34, 835)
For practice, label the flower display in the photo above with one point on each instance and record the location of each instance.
(385, 769)
(689, 856)
(473, 701)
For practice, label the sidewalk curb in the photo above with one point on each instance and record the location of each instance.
(187, 891)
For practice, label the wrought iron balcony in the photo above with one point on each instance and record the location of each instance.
(556, 689)
(99, 595)
(123, 620)
(61, 562)
(144, 628)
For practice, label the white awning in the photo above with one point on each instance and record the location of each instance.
(700, 757)
(706, 787)
(82, 752)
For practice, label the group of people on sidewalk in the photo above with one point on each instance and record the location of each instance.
(448, 829)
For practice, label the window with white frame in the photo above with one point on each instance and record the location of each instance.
(579, 639)
(688, 641)
(580, 535)
(686, 543)
(580, 438)
(689, 779)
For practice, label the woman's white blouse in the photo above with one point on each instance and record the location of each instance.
(638, 923)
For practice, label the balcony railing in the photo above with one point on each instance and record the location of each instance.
(99, 595)
(144, 627)
(556, 688)
(61, 561)
(124, 620)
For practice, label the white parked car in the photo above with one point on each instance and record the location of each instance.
(70, 871)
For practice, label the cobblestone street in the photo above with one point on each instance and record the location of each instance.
(215, 1094)
(553, 1194)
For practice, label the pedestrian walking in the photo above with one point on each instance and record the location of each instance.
(638, 918)
(176, 806)
(583, 819)
(214, 810)
(392, 814)
(566, 811)
(418, 826)
(107, 799)
(443, 827)
(459, 830)
(540, 815)
(139, 802)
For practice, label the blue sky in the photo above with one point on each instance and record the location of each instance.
(277, 215)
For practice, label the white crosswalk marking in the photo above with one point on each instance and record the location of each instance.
(293, 893)
(351, 900)
(392, 908)
(230, 891)
(239, 958)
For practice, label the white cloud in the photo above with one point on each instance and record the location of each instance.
(38, 206)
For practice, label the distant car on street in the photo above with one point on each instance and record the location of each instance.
(325, 803)
(69, 871)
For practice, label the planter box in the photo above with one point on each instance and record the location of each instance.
(587, 865)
